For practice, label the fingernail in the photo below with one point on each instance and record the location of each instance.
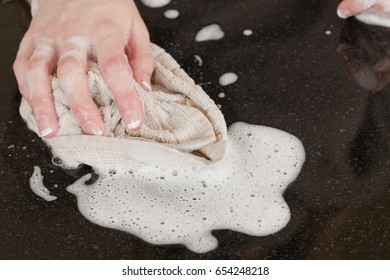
(94, 128)
(45, 124)
(132, 119)
(344, 13)
(146, 82)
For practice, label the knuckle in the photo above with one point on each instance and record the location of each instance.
(112, 63)
(41, 103)
(18, 63)
(83, 106)
(37, 63)
(68, 65)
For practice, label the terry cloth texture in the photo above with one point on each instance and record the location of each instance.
(178, 114)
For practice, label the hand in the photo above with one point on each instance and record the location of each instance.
(61, 37)
(349, 8)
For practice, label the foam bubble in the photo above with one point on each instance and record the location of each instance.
(155, 3)
(199, 60)
(227, 79)
(247, 32)
(182, 204)
(37, 186)
(171, 14)
(209, 32)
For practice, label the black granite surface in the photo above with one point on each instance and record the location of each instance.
(329, 90)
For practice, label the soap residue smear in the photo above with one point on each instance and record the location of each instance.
(227, 79)
(209, 32)
(37, 186)
(199, 60)
(171, 14)
(155, 3)
(247, 32)
(182, 201)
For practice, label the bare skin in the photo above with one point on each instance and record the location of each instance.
(62, 35)
(348, 8)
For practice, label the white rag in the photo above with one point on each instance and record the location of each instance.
(177, 114)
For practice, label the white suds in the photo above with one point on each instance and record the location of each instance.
(36, 184)
(199, 60)
(171, 14)
(155, 3)
(328, 32)
(221, 95)
(209, 32)
(247, 32)
(227, 79)
(182, 201)
(378, 19)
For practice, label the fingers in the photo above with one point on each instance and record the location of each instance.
(140, 55)
(71, 72)
(349, 8)
(113, 63)
(21, 63)
(39, 94)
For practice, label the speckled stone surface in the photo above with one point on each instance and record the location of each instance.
(303, 70)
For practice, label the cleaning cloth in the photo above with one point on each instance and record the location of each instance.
(178, 114)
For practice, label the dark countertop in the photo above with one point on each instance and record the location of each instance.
(292, 76)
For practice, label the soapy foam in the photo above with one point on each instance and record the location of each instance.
(171, 14)
(199, 60)
(247, 32)
(209, 32)
(155, 3)
(182, 203)
(227, 79)
(367, 3)
(43, 51)
(373, 17)
(37, 186)
(221, 95)
(379, 19)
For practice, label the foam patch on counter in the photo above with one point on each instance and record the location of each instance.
(183, 203)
